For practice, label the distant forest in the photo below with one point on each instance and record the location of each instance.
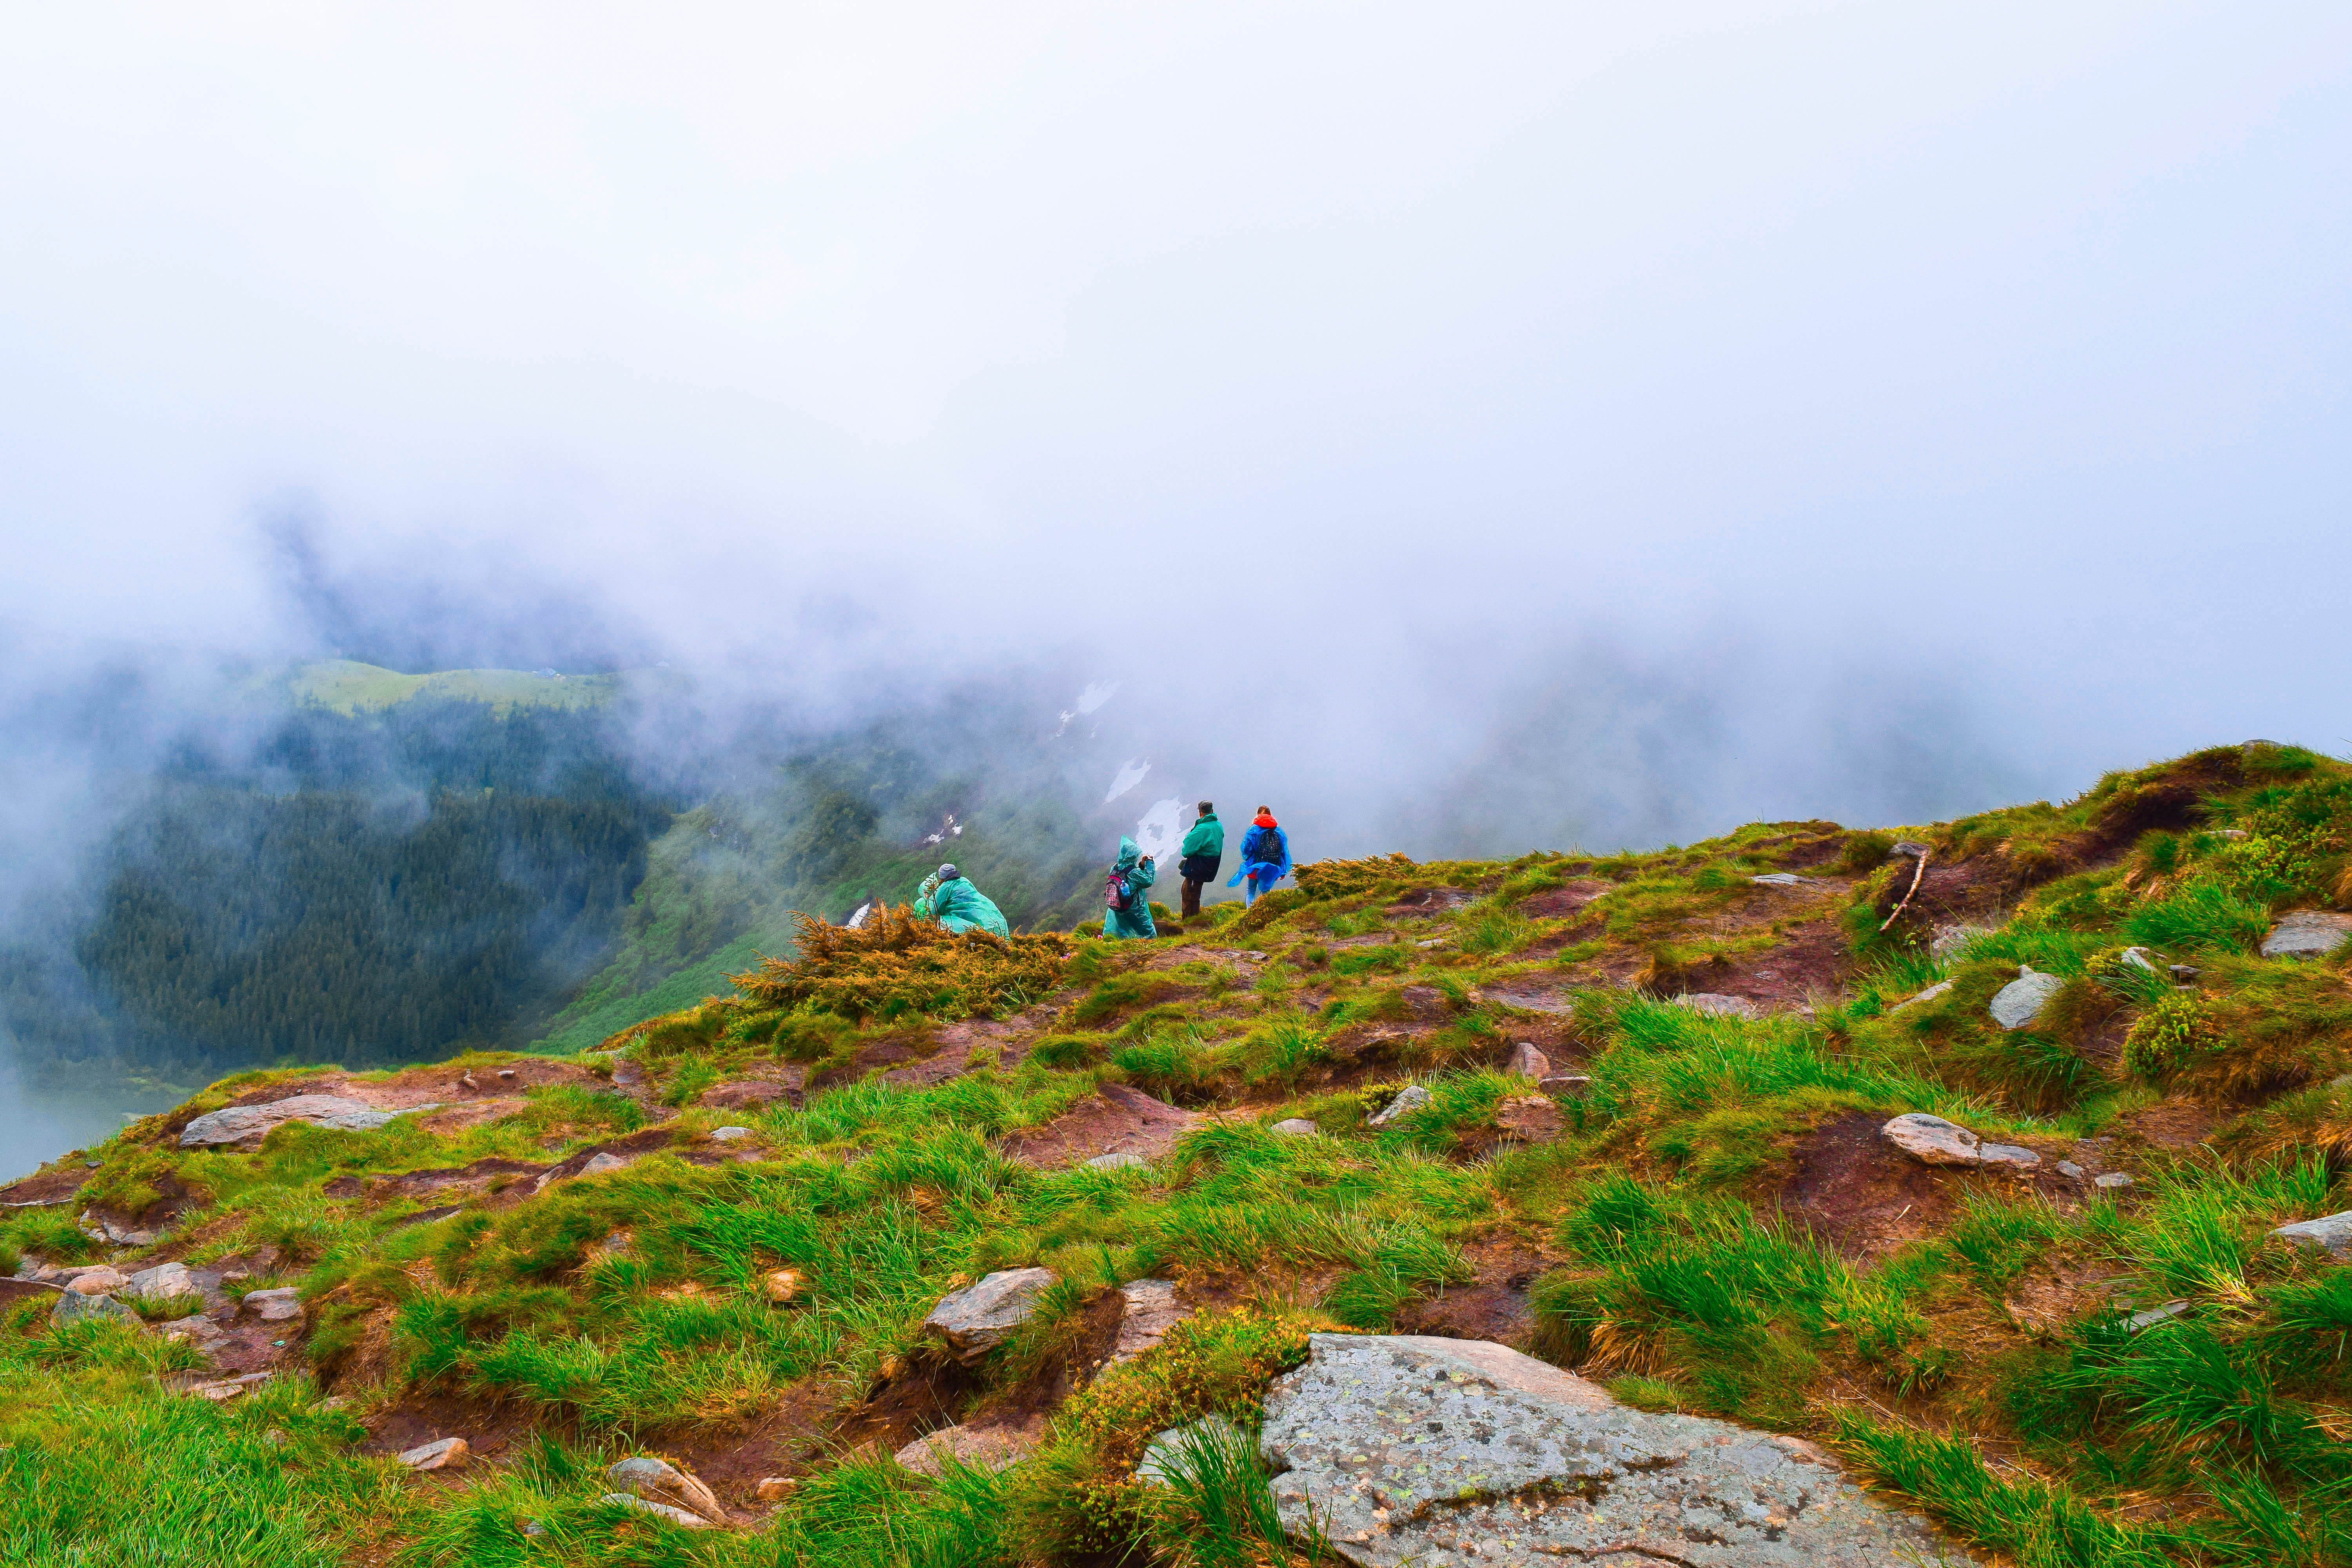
(365, 890)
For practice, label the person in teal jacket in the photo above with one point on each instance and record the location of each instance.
(948, 897)
(1128, 885)
(1204, 851)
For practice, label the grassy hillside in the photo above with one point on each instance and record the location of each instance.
(346, 687)
(1623, 1112)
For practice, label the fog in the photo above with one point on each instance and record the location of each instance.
(1474, 430)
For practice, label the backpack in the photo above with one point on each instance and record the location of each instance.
(1272, 850)
(1116, 894)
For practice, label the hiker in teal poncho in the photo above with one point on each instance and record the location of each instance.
(1204, 851)
(1127, 908)
(948, 897)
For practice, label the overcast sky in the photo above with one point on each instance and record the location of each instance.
(1978, 366)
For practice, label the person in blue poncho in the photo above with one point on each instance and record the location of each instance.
(948, 897)
(1265, 856)
(1127, 906)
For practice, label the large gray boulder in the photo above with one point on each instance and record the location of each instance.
(164, 1281)
(977, 1318)
(71, 1305)
(2019, 1001)
(2333, 1232)
(1461, 1453)
(239, 1122)
(2307, 933)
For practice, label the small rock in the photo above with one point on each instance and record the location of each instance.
(602, 1164)
(2071, 1171)
(976, 1319)
(1907, 849)
(775, 1488)
(1526, 1061)
(2112, 1180)
(677, 1516)
(729, 1134)
(1431, 942)
(2007, 1154)
(1119, 1159)
(1528, 1119)
(1780, 880)
(1414, 1097)
(2019, 1001)
(533, 1527)
(985, 1448)
(2138, 958)
(507, 1073)
(2333, 1232)
(1565, 1083)
(446, 1454)
(646, 1475)
(2307, 933)
(1930, 995)
(785, 1286)
(98, 1282)
(1716, 1006)
(121, 1235)
(276, 1306)
(1295, 1127)
(218, 1392)
(2184, 972)
(467, 1083)
(2155, 1315)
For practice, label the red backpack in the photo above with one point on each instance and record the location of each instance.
(1116, 893)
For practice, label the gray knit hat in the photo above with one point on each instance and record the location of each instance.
(949, 873)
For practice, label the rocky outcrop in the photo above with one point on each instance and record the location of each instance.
(976, 1447)
(2307, 933)
(237, 1123)
(1932, 1141)
(446, 1453)
(2019, 1001)
(1461, 1453)
(1151, 1309)
(276, 1305)
(976, 1319)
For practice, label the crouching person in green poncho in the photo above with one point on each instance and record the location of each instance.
(948, 897)
(1126, 910)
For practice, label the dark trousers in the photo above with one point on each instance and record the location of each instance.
(1191, 898)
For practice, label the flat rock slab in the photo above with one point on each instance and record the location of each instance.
(2307, 933)
(976, 1447)
(1941, 988)
(237, 1123)
(977, 1318)
(1528, 1000)
(1295, 1127)
(1529, 1119)
(1466, 1454)
(2333, 1232)
(1932, 1141)
(2019, 1001)
(1151, 1310)
(1115, 1119)
(1716, 1006)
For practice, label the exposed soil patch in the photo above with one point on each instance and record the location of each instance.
(758, 1093)
(15, 1290)
(1423, 902)
(1968, 892)
(1114, 1120)
(1859, 1194)
(1492, 1307)
(46, 1187)
(1559, 903)
(2046, 1299)
(926, 1394)
(784, 1439)
(2169, 1124)
(1210, 1290)
(1531, 997)
(477, 1177)
(1810, 960)
(490, 1428)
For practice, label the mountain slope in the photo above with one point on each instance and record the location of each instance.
(1776, 1129)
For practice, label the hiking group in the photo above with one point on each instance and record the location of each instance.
(1265, 860)
(948, 896)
